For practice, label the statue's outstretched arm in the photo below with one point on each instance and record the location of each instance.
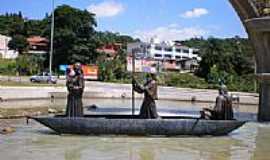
(137, 87)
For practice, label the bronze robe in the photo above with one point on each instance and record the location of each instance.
(148, 109)
(223, 109)
(75, 86)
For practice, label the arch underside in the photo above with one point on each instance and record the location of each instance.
(257, 25)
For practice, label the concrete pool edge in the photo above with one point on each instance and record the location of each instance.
(112, 91)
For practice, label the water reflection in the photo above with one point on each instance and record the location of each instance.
(248, 143)
(262, 149)
(143, 153)
(73, 154)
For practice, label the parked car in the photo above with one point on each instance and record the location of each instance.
(44, 77)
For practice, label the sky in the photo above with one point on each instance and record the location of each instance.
(144, 19)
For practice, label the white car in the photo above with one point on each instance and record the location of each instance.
(44, 78)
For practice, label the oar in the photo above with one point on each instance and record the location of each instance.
(133, 93)
(195, 124)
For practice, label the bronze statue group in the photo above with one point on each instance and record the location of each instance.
(75, 85)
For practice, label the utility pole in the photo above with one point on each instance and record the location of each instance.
(255, 72)
(133, 92)
(52, 33)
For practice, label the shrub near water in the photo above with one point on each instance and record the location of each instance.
(7, 67)
(185, 80)
(244, 83)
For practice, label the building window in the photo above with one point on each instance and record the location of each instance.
(168, 49)
(158, 55)
(158, 48)
(186, 51)
(168, 56)
(177, 57)
(178, 50)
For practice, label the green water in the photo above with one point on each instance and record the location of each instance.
(35, 142)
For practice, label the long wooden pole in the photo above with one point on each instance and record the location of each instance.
(133, 93)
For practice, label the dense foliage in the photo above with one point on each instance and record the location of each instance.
(75, 38)
(231, 55)
(7, 67)
(229, 60)
(18, 43)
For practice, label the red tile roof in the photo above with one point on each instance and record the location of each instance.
(37, 41)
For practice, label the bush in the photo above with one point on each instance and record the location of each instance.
(24, 65)
(243, 83)
(184, 80)
(7, 67)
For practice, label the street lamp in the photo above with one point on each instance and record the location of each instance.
(52, 32)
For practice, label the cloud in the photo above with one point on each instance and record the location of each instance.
(106, 9)
(171, 32)
(195, 13)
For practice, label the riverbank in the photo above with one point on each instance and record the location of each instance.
(123, 91)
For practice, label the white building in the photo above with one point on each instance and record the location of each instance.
(172, 54)
(5, 52)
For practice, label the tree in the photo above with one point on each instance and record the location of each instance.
(18, 43)
(74, 36)
(232, 55)
(35, 27)
(110, 38)
(11, 23)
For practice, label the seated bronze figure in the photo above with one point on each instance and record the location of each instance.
(223, 108)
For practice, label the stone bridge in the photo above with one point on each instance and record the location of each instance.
(255, 16)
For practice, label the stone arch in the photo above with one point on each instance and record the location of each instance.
(257, 26)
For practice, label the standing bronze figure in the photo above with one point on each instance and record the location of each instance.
(223, 109)
(75, 86)
(148, 109)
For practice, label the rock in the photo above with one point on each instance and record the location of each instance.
(123, 95)
(51, 110)
(8, 130)
(193, 99)
(91, 107)
(52, 99)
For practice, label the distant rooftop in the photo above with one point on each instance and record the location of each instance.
(37, 40)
